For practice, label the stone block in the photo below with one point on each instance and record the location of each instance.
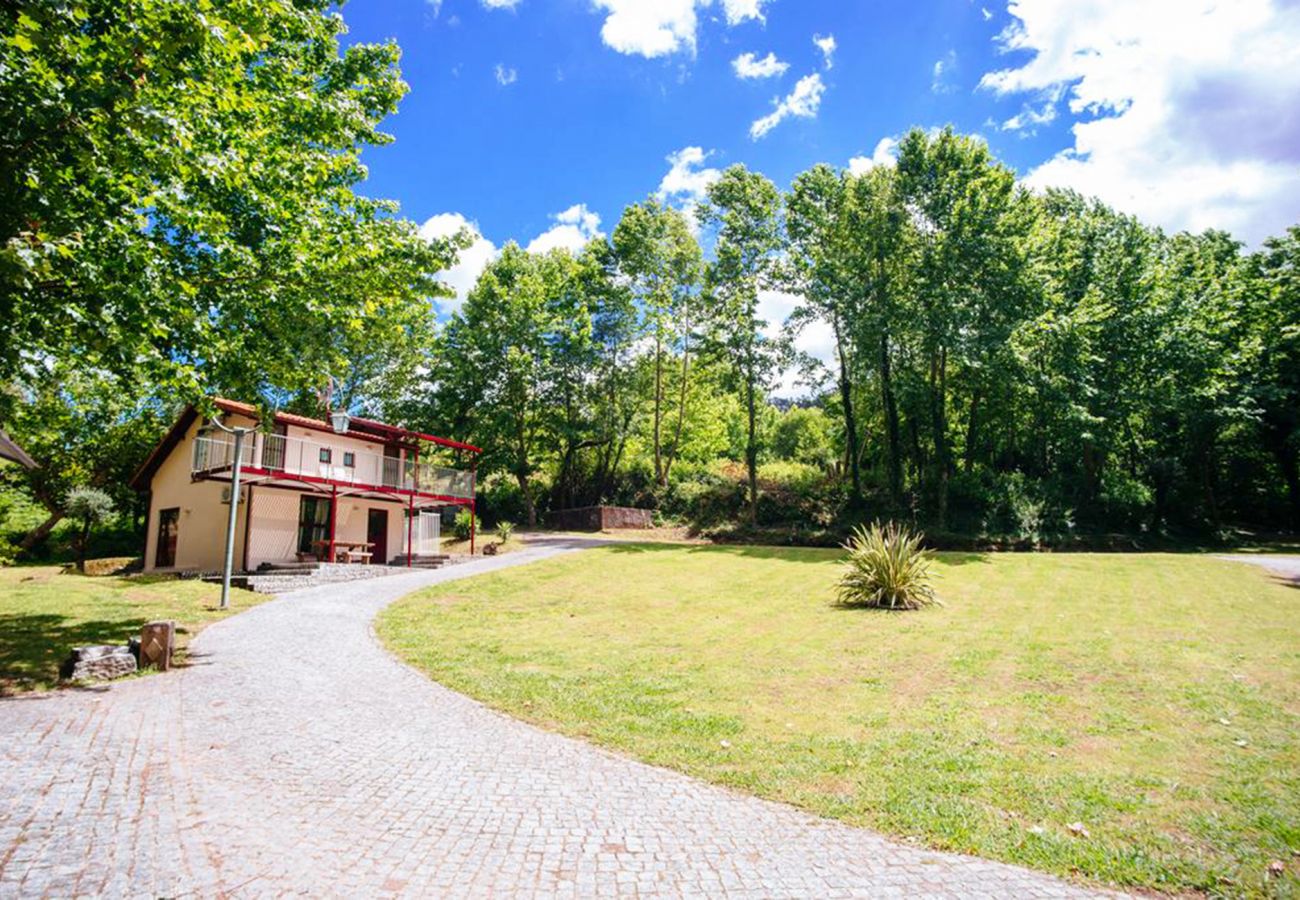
(98, 662)
(157, 640)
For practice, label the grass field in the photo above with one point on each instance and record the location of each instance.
(1153, 699)
(44, 614)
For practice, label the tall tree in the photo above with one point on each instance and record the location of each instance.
(1273, 342)
(661, 260)
(743, 209)
(963, 206)
(177, 192)
(85, 429)
(818, 231)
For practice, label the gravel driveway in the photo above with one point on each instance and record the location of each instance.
(295, 755)
(1287, 567)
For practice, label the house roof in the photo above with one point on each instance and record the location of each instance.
(11, 451)
(360, 426)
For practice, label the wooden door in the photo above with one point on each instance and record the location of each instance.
(377, 534)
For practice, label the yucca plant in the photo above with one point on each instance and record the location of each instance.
(505, 530)
(887, 568)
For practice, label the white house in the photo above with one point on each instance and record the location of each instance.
(306, 491)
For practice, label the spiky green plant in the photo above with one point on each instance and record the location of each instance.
(505, 530)
(887, 568)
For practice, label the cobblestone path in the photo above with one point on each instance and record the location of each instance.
(297, 756)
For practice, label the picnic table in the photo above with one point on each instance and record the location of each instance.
(350, 551)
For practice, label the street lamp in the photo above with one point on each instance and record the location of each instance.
(240, 434)
(339, 421)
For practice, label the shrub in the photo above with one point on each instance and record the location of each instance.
(91, 506)
(461, 527)
(887, 568)
(804, 435)
(504, 530)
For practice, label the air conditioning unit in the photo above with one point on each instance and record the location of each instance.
(225, 496)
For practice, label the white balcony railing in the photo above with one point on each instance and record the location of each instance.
(331, 461)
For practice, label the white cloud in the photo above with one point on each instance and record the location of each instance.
(1029, 117)
(500, 4)
(652, 28)
(984, 11)
(572, 230)
(827, 46)
(943, 68)
(747, 66)
(884, 155)
(803, 102)
(686, 182)
(738, 11)
(506, 76)
(687, 178)
(470, 264)
(1188, 108)
(648, 28)
(816, 338)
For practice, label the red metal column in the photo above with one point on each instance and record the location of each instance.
(334, 515)
(473, 487)
(410, 532)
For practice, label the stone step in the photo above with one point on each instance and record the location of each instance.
(279, 581)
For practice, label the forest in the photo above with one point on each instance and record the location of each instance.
(1007, 365)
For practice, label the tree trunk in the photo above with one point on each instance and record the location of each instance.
(850, 422)
(522, 469)
(751, 448)
(681, 410)
(40, 532)
(659, 402)
(1207, 485)
(893, 449)
(972, 431)
(82, 545)
(530, 508)
(939, 424)
(1286, 460)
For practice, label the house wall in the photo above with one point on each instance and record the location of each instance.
(201, 532)
(273, 537)
(308, 441)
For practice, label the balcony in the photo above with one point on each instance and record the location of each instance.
(305, 459)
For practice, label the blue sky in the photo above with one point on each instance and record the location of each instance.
(539, 120)
(585, 123)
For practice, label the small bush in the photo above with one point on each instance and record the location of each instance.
(505, 530)
(461, 527)
(886, 568)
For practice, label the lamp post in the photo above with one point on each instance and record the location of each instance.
(240, 434)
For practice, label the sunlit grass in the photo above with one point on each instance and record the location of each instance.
(1153, 698)
(44, 614)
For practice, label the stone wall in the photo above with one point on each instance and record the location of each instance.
(601, 518)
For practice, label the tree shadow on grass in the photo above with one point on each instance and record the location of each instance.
(781, 553)
(33, 645)
(750, 551)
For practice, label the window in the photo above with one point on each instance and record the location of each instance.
(350, 460)
(169, 520)
(326, 455)
(313, 524)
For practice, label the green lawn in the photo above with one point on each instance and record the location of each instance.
(44, 613)
(1153, 698)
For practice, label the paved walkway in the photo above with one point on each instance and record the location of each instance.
(1287, 567)
(297, 756)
